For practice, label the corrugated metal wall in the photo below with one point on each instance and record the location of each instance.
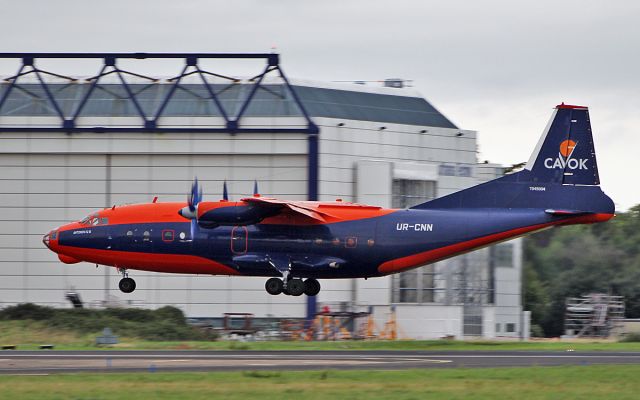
(40, 191)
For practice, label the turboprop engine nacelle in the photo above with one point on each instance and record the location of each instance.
(212, 214)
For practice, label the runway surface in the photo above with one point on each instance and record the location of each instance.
(48, 362)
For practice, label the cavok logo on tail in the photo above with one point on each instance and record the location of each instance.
(564, 159)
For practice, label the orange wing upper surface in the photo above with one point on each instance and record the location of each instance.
(316, 212)
(291, 212)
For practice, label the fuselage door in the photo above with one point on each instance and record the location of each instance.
(239, 239)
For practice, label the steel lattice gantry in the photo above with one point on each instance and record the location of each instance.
(66, 114)
(148, 121)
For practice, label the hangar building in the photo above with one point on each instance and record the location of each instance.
(69, 146)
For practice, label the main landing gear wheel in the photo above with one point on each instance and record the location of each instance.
(127, 285)
(295, 287)
(311, 287)
(274, 286)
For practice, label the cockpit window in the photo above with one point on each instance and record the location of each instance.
(94, 220)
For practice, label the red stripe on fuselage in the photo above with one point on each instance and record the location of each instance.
(431, 256)
(173, 263)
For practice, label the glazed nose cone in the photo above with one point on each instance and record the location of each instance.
(51, 240)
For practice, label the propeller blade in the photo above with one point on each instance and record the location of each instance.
(194, 228)
(195, 196)
(225, 193)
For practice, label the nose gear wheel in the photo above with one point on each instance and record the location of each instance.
(127, 285)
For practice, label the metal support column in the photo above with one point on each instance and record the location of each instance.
(312, 195)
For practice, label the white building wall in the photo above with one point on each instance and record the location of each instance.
(509, 295)
(51, 179)
(429, 321)
(510, 319)
(358, 162)
(343, 146)
(376, 165)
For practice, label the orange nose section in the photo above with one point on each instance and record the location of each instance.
(67, 259)
(51, 241)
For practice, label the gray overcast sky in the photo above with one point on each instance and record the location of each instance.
(497, 67)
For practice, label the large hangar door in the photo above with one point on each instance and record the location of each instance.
(137, 178)
(39, 192)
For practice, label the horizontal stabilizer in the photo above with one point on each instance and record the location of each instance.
(566, 213)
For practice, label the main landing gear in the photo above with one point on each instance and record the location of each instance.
(293, 286)
(126, 284)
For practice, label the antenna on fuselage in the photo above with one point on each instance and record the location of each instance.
(225, 193)
(256, 193)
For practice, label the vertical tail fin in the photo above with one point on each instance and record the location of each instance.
(565, 152)
(562, 173)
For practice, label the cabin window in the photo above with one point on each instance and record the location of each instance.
(146, 236)
(351, 242)
(167, 235)
(129, 233)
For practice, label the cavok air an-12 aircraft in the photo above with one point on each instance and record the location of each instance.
(295, 243)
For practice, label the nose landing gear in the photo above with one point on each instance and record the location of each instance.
(292, 287)
(126, 284)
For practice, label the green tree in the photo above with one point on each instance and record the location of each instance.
(578, 260)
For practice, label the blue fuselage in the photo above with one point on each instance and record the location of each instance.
(337, 250)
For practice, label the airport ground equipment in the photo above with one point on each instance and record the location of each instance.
(594, 315)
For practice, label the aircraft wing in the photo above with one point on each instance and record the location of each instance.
(297, 207)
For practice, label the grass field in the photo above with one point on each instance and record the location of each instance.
(388, 345)
(578, 382)
(29, 335)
